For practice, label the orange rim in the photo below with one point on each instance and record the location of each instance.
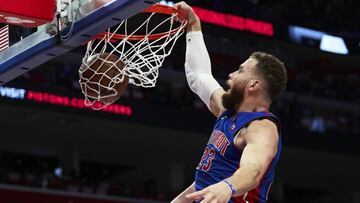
(157, 8)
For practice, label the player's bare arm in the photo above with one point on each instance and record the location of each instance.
(261, 143)
(181, 198)
(198, 65)
(261, 139)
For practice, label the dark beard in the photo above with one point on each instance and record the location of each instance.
(234, 98)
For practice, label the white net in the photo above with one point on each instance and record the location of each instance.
(140, 56)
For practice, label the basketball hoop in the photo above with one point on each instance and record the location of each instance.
(141, 48)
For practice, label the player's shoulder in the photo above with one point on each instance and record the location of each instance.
(263, 124)
(264, 128)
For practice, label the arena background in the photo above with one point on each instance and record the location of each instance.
(145, 149)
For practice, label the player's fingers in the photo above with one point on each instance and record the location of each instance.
(179, 18)
(178, 6)
(182, 7)
(207, 199)
(196, 195)
(175, 19)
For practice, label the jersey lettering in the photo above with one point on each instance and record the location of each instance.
(219, 141)
(206, 159)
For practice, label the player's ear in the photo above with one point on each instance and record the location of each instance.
(254, 85)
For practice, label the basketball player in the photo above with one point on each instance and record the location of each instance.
(239, 160)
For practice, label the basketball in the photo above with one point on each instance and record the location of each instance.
(101, 79)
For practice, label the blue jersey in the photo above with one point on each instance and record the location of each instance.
(221, 158)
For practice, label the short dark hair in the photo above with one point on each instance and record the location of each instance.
(273, 71)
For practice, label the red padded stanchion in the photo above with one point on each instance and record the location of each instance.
(28, 13)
